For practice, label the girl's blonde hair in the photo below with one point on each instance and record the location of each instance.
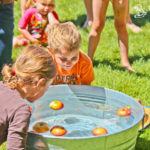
(29, 2)
(47, 1)
(33, 63)
(64, 35)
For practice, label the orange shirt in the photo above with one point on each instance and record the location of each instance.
(81, 73)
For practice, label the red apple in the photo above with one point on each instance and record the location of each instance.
(40, 127)
(30, 108)
(58, 131)
(99, 131)
(56, 105)
(125, 111)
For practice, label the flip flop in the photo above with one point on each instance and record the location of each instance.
(146, 120)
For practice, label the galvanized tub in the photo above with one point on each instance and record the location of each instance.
(86, 101)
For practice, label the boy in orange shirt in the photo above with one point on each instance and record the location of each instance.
(73, 66)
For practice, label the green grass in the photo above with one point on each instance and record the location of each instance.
(108, 69)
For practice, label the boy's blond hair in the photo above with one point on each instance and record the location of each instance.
(33, 63)
(64, 35)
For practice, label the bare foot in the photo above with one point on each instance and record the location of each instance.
(134, 28)
(87, 23)
(129, 68)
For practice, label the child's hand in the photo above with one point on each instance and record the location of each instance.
(35, 41)
(47, 28)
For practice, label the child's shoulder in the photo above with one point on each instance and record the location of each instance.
(30, 10)
(84, 58)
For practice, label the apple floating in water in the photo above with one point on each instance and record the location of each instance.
(99, 131)
(30, 108)
(56, 105)
(40, 127)
(124, 111)
(58, 131)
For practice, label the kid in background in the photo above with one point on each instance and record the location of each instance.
(28, 78)
(73, 66)
(33, 23)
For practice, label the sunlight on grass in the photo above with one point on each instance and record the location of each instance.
(3, 146)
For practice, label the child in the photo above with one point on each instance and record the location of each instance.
(28, 78)
(73, 66)
(34, 22)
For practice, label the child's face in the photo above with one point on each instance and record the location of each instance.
(44, 7)
(67, 59)
(35, 93)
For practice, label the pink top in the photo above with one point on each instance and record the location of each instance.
(25, 19)
(35, 23)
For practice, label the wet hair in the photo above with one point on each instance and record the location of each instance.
(32, 64)
(64, 35)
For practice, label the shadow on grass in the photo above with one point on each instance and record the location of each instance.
(141, 21)
(137, 21)
(107, 63)
(79, 21)
(114, 66)
(136, 57)
(142, 143)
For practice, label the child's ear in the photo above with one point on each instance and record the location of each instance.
(41, 82)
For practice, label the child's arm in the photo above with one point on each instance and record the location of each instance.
(26, 33)
(24, 22)
(17, 131)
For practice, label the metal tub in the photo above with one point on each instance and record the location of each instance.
(82, 97)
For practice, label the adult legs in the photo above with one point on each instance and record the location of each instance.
(89, 10)
(6, 25)
(99, 14)
(120, 10)
(134, 28)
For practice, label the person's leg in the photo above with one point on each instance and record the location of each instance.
(99, 13)
(89, 10)
(120, 11)
(7, 25)
(134, 28)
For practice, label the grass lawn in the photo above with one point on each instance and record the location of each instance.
(108, 69)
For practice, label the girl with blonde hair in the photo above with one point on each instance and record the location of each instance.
(28, 78)
(34, 22)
